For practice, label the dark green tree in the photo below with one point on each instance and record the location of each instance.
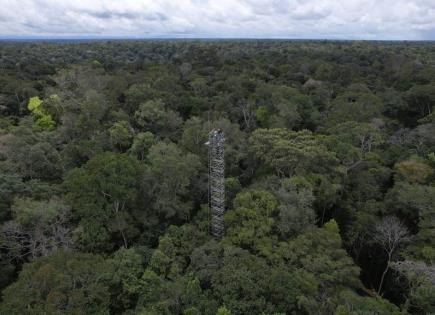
(102, 194)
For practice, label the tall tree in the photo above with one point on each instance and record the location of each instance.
(102, 194)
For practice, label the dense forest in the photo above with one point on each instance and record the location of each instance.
(330, 177)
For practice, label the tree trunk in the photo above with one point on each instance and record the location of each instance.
(124, 239)
(384, 273)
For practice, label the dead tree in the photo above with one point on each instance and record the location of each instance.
(390, 233)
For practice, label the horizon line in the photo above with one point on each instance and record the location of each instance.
(12, 38)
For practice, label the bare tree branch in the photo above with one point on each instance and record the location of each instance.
(390, 233)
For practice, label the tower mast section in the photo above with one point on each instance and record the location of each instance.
(217, 181)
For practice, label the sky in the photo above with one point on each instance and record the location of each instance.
(298, 19)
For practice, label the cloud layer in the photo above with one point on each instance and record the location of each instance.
(334, 19)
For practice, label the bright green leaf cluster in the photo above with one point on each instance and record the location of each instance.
(43, 120)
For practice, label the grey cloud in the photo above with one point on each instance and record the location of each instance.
(369, 19)
(311, 15)
(106, 15)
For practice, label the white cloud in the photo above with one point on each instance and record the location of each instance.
(362, 19)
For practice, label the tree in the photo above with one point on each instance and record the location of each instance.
(33, 157)
(102, 194)
(252, 222)
(172, 256)
(295, 210)
(417, 141)
(223, 311)
(43, 120)
(323, 267)
(232, 187)
(354, 141)
(241, 281)
(421, 285)
(168, 176)
(142, 142)
(290, 152)
(121, 134)
(283, 106)
(38, 228)
(246, 108)
(195, 134)
(352, 304)
(389, 233)
(263, 117)
(52, 106)
(357, 105)
(420, 99)
(153, 296)
(127, 265)
(137, 94)
(413, 171)
(11, 184)
(65, 282)
(153, 116)
(416, 203)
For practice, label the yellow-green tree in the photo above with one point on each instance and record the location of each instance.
(43, 120)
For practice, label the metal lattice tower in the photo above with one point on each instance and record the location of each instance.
(217, 181)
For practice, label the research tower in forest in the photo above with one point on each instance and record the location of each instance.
(216, 157)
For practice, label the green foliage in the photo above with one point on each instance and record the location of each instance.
(121, 134)
(63, 283)
(295, 210)
(127, 267)
(223, 311)
(43, 120)
(242, 281)
(142, 142)
(285, 107)
(27, 211)
(102, 193)
(37, 228)
(354, 141)
(169, 175)
(416, 202)
(171, 258)
(262, 115)
(290, 152)
(251, 223)
(352, 304)
(153, 116)
(232, 187)
(33, 157)
(152, 293)
(419, 279)
(421, 99)
(35, 105)
(10, 185)
(332, 227)
(413, 171)
(110, 158)
(324, 268)
(194, 136)
(357, 105)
